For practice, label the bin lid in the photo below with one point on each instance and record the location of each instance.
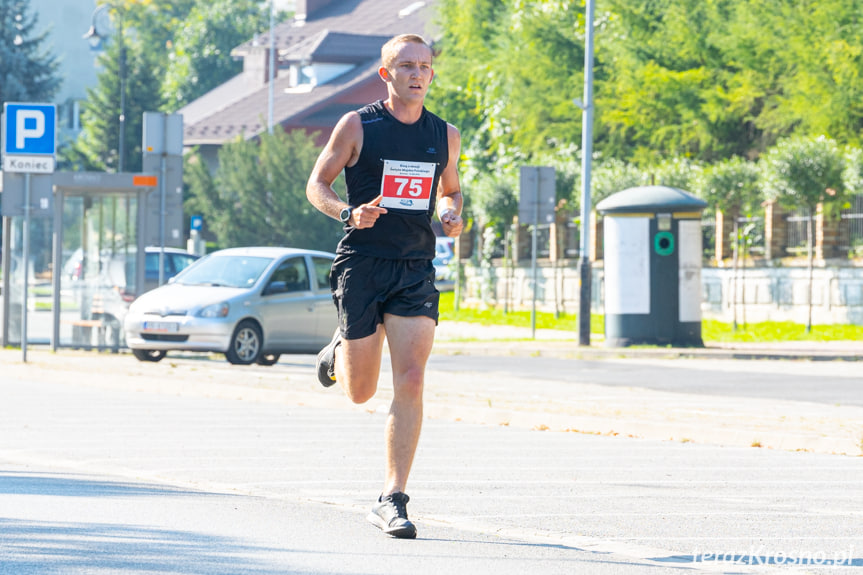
(650, 199)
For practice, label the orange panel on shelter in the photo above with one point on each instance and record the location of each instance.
(151, 181)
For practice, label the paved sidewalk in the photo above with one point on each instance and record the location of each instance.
(500, 340)
(575, 404)
(193, 466)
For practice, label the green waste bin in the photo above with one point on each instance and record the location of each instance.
(652, 267)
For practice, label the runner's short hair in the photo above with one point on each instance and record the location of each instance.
(390, 49)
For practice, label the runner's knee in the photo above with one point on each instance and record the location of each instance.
(409, 384)
(360, 389)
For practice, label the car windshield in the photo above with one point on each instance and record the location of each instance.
(225, 271)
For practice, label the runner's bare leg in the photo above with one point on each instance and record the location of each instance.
(358, 365)
(410, 342)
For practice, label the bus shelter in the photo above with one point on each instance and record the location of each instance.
(96, 263)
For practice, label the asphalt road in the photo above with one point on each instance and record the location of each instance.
(195, 466)
(822, 382)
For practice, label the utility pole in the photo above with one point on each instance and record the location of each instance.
(586, 153)
(272, 69)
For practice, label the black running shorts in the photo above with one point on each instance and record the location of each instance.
(365, 288)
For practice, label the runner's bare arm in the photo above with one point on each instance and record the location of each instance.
(449, 197)
(342, 150)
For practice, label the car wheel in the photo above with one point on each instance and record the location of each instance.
(245, 346)
(149, 354)
(268, 358)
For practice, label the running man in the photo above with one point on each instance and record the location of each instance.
(400, 163)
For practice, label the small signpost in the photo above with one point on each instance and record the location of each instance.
(29, 141)
(535, 207)
(163, 154)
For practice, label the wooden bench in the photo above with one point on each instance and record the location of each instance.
(82, 328)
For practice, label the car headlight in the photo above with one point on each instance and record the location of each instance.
(215, 310)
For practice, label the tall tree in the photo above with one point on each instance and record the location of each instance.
(200, 58)
(28, 70)
(801, 173)
(731, 187)
(704, 79)
(667, 90)
(127, 73)
(465, 72)
(157, 23)
(507, 73)
(612, 176)
(258, 194)
(810, 54)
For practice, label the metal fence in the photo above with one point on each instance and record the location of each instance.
(572, 241)
(751, 229)
(796, 231)
(708, 238)
(851, 228)
(752, 236)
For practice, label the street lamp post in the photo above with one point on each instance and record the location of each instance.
(586, 153)
(271, 69)
(95, 35)
(99, 30)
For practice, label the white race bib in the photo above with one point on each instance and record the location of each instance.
(407, 185)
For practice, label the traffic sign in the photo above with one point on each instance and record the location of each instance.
(29, 137)
(41, 200)
(536, 200)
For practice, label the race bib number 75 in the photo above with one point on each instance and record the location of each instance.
(407, 185)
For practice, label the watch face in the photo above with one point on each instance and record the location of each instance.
(345, 215)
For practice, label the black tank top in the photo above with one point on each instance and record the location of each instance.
(404, 162)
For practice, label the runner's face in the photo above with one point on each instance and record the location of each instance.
(411, 71)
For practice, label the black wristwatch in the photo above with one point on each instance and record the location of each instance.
(345, 214)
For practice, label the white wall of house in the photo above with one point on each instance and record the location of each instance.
(67, 21)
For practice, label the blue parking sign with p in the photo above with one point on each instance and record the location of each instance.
(30, 129)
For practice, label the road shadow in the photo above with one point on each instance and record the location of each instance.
(73, 485)
(65, 547)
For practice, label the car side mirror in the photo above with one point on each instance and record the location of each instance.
(275, 287)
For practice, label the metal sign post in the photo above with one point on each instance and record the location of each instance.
(535, 205)
(163, 152)
(29, 142)
(26, 258)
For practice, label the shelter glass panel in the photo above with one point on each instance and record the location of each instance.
(38, 281)
(98, 273)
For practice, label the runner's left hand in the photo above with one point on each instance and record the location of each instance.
(452, 223)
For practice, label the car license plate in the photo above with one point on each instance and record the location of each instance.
(163, 326)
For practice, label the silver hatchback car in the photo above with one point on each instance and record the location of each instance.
(252, 304)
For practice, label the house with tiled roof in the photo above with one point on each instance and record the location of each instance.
(327, 60)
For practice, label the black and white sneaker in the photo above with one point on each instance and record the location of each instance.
(390, 515)
(327, 361)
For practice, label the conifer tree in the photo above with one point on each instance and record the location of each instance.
(257, 196)
(200, 58)
(28, 70)
(124, 66)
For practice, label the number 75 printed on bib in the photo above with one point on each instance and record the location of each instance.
(407, 185)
